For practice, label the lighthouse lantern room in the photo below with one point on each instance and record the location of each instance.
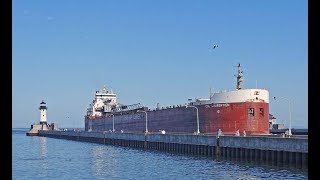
(43, 113)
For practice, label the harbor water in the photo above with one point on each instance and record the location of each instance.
(50, 158)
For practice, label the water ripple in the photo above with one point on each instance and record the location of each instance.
(49, 158)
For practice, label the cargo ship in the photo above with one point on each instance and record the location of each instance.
(240, 109)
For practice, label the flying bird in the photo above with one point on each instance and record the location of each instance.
(214, 46)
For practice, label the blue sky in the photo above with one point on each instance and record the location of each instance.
(155, 52)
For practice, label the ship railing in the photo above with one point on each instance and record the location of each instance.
(94, 117)
(167, 107)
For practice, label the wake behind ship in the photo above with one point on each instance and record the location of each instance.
(240, 109)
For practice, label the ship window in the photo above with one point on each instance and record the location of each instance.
(262, 111)
(251, 111)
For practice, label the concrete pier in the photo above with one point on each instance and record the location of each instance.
(275, 151)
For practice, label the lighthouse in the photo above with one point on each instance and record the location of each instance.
(43, 113)
(43, 125)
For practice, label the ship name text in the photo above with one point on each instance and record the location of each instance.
(217, 105)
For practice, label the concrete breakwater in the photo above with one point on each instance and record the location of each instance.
(277, 151)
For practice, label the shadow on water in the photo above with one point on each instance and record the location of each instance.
(100, 161)
(244, 164)
(232, 165)
(267, 165)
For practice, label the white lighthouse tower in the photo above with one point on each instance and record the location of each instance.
(43, 113)
(43, 125)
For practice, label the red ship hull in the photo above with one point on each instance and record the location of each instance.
(229, 117)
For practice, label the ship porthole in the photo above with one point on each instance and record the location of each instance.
(218, 111)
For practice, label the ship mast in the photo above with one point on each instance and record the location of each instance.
(211, 91)
(239, 77)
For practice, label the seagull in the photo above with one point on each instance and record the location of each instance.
(215, 46)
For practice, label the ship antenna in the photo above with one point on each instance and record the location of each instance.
(239, 76)
(210, 90)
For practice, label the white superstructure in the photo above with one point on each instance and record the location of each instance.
(241, 95)
(43, 113)
(235, 96)
(103, 102)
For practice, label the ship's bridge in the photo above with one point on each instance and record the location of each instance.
(105, 94)
(103, 102)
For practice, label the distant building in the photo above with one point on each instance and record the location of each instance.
(273, 123)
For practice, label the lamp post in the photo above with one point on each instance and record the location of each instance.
(146, 119)
(198, 131)
(289, 101)
(112, 123)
